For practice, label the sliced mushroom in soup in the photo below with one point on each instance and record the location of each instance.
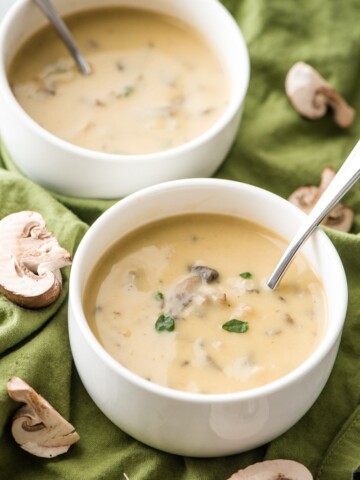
(201, 309)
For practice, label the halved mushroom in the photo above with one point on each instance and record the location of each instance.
(311, 95)
(339, 218)
(274, 470)
(37, 427)
(30, 260)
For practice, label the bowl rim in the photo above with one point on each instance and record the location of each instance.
(330, 338)
(237, 98)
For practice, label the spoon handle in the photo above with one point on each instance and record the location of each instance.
(50, 12)
(346, 177)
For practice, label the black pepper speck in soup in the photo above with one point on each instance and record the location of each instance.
(155, 82)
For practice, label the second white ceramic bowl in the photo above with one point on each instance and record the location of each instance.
(72, 170)
(188, 423)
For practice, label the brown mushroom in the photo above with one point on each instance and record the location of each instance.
(182, 294)
(30, 260)
(339, 218)
(274, 470)
(37, 427)
(311, 95)
(207, 274)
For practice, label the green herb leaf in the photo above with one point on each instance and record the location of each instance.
(236, 326)
(246, 275)
(159, 296)
(165, 322)
(128, 90)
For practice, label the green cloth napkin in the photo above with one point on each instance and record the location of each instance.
(275, 149)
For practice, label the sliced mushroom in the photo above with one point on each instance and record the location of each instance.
(306, 197)
(339, 218)
(37, 427)
(311, 95)
(182, 294)
(30, 260)
(274, 470)
(194, 286)
(205, 273)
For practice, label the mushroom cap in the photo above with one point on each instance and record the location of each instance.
(305, 89)
(311, 95)
(37, 427)
(274, 470)
(30, 260)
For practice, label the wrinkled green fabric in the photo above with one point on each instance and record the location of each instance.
(275, 149)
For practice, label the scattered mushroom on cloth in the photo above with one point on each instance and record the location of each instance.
(311, 95)
(340, 217)
(273, 470)
(30, 260)
(37, 427)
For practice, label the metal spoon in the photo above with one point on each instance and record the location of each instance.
(50, 12)
(346, 177)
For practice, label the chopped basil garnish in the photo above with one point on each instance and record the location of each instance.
(236, 326)
(128, 90)
(165, 322)
(159, 296)
(246, 275)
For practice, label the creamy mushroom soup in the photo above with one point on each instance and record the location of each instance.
(183, 303)
(156, 84)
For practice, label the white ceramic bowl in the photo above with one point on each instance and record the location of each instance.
(73, 170)
(188, 423)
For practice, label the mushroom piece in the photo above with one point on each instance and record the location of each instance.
(37, 427)
(30, 260)
(274, 470)
(205, 273)
(339, 218)
(311, 95)
(183, 293)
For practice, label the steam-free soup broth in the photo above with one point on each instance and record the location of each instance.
(183, 303)
(155, 82)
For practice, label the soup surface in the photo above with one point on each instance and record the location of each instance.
(183, 303)
(155, 83)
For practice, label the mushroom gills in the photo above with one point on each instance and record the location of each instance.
(30, 260)
(340, 217)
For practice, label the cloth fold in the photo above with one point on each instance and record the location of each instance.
(344, 452)
(275, 149)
